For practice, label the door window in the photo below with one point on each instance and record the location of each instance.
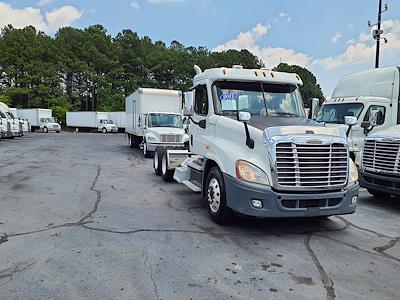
(201, 100)
(381, 113)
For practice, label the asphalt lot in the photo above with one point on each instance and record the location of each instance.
(83, 216)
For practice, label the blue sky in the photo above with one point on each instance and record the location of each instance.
(331, 38)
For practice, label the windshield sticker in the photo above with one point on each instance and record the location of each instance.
(230, 96)
(228, 105)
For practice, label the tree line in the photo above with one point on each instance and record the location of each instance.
(88, 69)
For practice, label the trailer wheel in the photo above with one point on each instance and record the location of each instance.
(157, 162)
(104, 130)
(215, 198)
(167, 175)
(45, 130)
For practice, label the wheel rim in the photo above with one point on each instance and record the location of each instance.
(104, 130)
(144, 148)
(214, 195)
(164, 165)
(156, 161)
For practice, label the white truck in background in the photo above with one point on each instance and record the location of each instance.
(252, 151)
(372, 96)
(380, 163)
(40, 119)
(15, 127)
(89, 120)
(118, 118)
(24, 123)
(5, 126)
(153, 119)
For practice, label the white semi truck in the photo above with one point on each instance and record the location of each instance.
(252, 150)
(380, 163)
(5, 126)
(24, 123)
(153, 118)
(15, 126)
(372, 96)
(88, 120)
(40, 119)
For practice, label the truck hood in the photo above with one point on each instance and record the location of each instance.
(392, 132)
(262, 123)
(165, 130)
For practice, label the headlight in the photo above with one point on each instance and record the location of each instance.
(151, 139)
(249, 172)
(353, 172)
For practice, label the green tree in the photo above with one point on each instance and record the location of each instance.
(310, 89)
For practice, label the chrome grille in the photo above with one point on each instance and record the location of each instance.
(382, 156)
(171, 138)
(311, 166)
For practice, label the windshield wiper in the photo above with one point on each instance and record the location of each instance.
(279, 113)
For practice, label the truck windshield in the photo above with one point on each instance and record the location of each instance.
(10, 115)
(2, 115)
(164, 120)
(49, 120)
(335, 113)
(258, 98)
(107, 121)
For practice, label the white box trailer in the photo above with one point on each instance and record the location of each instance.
(118, 118)
(87, 120)
(40, 118)
(153, 119)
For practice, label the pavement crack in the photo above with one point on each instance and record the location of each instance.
(98, 198)
(6, 275)
(389, 245)
(146, 262)
(326, 281)
(348, 223)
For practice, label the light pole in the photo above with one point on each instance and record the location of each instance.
(376, 33)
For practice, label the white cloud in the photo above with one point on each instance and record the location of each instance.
(269, 55)
(284, 15)
(350, 41)
(363, 51)
(135, 4)
(49, 22)
(336, 37)
(44, 2)
(164, 1)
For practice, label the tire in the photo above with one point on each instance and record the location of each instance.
(157, 162)
(215, 198)
(147, 154)
(167, 175)
(58, 131)
(378, 194)
(45, 130)
(104, 130)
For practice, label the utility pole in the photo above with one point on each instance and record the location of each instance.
(376, 33)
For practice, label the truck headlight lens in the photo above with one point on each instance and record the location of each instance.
(353, 172)
(249, 172)
(151, 139)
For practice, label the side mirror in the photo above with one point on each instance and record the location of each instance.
(350, 120)
(365, 124)
(244, 116)
(373, 117)
(188, 108)
(314, 108)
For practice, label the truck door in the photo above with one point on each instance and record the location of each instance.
(383, 116)
(198, 131)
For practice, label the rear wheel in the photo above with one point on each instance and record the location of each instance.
(215, 198)
(104, 130)
(157, 162)
(167, 175)
(147, 153)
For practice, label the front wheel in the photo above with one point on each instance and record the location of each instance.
(167, 175)
(215, 198)
(104, 130)
(157, 162)
(146, 152)
(45, 130)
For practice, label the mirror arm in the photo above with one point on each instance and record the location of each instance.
(194, 122)
(249, 140)
(348, 130)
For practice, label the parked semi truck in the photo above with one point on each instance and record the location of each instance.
(372, 96)
(380, 163)
(24, 123)
(252, 151)
(40, 119)
(89, 120)
(15, 128)
(153, 118)
(5, 126)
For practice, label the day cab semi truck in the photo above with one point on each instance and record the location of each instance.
(15, 127)
(154, 119)
(373, 97)
(40, 119)
(253, 152)
(380, 163)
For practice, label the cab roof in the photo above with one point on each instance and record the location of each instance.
(237, 73)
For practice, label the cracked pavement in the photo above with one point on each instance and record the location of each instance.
(83, 216)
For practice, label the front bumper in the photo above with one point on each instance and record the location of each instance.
(152, 146)
(6, 134)
(283, 205)
(380, 182)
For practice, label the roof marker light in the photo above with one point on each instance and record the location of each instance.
(297, 76)
(255, 73)
(265, 75)
(224, 71)
(272, 75)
